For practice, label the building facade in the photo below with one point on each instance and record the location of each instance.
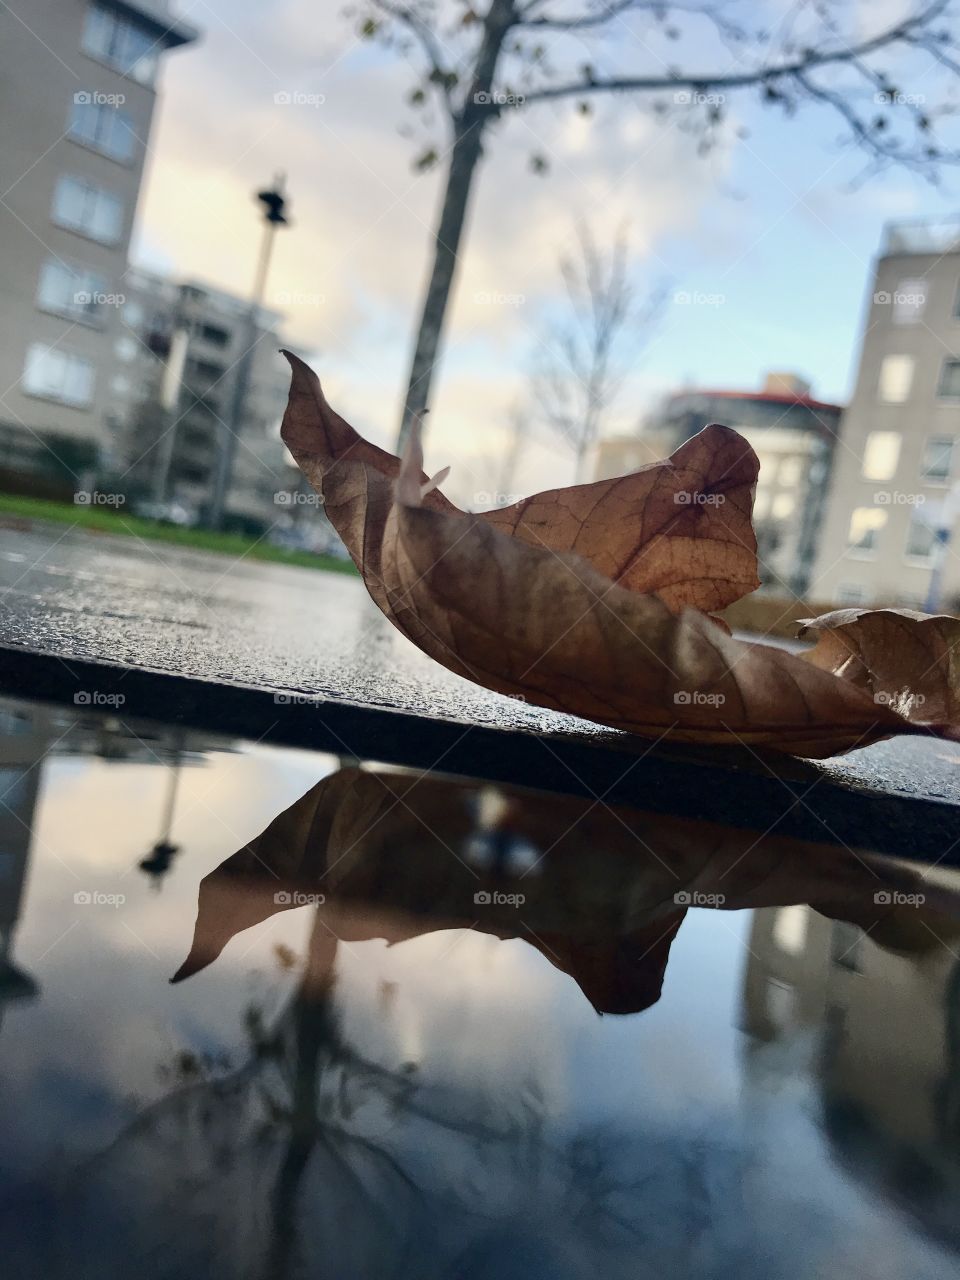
(794, 436)
(176, 391)
(70, 171)
(896, 474)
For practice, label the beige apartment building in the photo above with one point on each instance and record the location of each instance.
(77, 94)
(895, 477)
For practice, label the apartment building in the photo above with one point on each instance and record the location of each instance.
(895, 480)
(180, 357)
(77, 95)
(794, 436)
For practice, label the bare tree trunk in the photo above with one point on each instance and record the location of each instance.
(468, 128)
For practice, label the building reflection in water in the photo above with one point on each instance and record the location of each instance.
(877, 1033)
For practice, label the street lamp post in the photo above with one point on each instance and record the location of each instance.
(274, 214)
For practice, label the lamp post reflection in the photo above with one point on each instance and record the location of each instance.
(160, 858)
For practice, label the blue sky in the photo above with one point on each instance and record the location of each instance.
(796, 275)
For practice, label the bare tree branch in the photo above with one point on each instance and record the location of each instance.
(579, 372)
(596, 19)
(606, 12)
(810, 60)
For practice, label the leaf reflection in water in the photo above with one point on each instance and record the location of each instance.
(386, 854)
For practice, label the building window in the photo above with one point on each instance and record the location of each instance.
(80, 206)
(213, 334)
(949, 388)
(850, 593)
(909, 300)
(881, 453)
(789, 472)
(57, 375)
(790, 926)
(921, 539)
(71, 291)
(783, 506)
(896, 378)
(103, 128)
(865, 526)
(937, 459)
(121, 43)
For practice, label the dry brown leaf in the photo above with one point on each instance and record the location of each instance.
(492, 600)
(906, 660)
(680, 529)
(387, 854)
